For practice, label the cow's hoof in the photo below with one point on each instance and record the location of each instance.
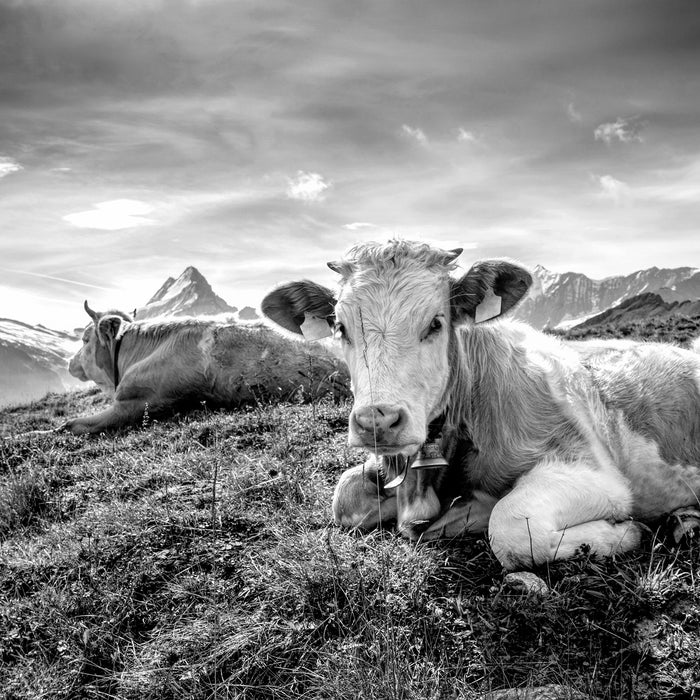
(685, 524)
(526, 583)
(73, 426)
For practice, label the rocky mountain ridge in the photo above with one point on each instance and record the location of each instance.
(563, 300)
(33, 361)
(643, 307)
(188, 295)
(191, 295)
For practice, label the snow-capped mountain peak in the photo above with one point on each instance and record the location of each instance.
(188, 295)
(564, 299)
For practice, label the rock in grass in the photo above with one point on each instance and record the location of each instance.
(526, 583)
(685, 523)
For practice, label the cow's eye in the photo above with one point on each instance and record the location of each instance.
(434, 328)
(339, 332)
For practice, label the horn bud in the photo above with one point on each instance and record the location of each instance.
(92, 314)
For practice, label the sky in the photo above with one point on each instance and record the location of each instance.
(258, 139)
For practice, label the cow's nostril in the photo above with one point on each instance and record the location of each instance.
(399, 420)
(378, 418)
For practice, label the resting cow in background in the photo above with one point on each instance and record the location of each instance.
(573, 443)
(174, 364)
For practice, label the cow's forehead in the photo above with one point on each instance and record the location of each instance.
(398, 294)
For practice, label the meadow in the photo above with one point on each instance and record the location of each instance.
(195, 557)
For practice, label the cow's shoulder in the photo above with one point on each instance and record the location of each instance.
(171, 339)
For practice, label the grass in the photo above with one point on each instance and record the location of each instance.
(678, 329)
(195, 558)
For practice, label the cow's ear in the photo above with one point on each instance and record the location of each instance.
(490, 289)
(107, 328)
(290, 305)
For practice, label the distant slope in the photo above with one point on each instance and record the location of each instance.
(188, 295)
(643, 317)
(643, 307)
(33, 361)
(569, 298)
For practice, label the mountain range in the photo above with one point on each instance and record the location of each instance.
(563, 300)
(643, 317)
(188, 295)
(33, 359)
(191, 295)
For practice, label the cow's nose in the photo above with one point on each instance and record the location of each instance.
(379, 419)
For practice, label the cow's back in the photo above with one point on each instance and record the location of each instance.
(247, 365)
(657, 389)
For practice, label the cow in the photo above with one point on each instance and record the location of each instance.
(550, 446)
(160, 366)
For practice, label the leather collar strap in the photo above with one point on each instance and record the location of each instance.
(115, 361)
(435, 427)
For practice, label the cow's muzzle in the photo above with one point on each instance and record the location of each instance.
(381, 428)
(75, 368)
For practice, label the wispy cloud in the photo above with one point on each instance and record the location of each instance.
(359, 225)
(56, 279)
(614, 189)
(415, 133)
(466, 136)
(622, 129)
(307, 187)
(573, 114)
(113, 215)
(8, 166)
(675, 185)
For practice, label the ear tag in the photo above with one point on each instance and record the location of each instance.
(315, 328)
(489, 308)
(430, 456)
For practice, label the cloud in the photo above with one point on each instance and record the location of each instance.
(359, 225)
(574, 115)
(466, 136)
(415, 133)
(113, 215)
(679, 185)
(57, 279)
(624, 130)
(308, 187)
(614, 189)
(8, 166)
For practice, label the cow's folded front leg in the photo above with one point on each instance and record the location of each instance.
(465, 516)
(119, 414)
(418, 505)
(558, 509)
(360, 500)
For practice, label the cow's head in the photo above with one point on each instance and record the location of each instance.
(95, 359)
(395, 318)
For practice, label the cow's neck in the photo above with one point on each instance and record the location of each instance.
(505, 401)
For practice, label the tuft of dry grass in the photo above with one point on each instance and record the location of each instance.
(196, 558)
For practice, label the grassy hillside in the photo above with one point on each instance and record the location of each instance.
(676, 329)
(195, 558)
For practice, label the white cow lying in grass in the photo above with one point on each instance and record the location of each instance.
(175, 364)
(574, 442)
